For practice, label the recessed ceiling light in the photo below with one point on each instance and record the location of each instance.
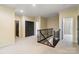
(21, 11)
(34, 5)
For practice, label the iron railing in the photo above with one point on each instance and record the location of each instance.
(48, 37)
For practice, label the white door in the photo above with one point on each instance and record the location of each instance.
(67, 31)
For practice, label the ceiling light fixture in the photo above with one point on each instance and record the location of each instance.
(34, 5)
(21, 11)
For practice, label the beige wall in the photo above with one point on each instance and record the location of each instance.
(41, 20)
(22, 20)
(72, 12)
(7, 29)
(43, 23)
(53, 22)
(27, 18)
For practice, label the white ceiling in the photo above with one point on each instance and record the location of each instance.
(45, 10)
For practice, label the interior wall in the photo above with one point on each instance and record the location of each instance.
(41, 20)
(7, 26)
(38, 21)
(28, 18)
(53, 22)
(43, 23)
(71, 12)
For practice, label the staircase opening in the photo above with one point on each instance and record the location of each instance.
(48, 37)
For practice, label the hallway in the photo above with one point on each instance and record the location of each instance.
(29, 45)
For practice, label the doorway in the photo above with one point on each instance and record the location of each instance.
(17, 28)
(78, 29)
(29, 28)
(67, 31)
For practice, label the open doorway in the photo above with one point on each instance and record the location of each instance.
(68, 31)
(17, 28)
(29, 28)
(78, 29)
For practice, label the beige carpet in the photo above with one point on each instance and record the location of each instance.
(29, 45)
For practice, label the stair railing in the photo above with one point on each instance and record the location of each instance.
(44, 35)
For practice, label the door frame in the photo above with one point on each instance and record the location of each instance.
(25, 28)
(77, 30)
(18, 28)
(63, 26)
